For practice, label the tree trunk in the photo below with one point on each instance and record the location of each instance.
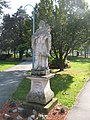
(61, 60)
(81, 53)
(87, 52)
(85, 55)
(20, 55)
(77, 53)
(72, 52)
(8, 52)
(14, 54)
(61, 65)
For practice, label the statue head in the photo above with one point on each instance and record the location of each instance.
(41, 24)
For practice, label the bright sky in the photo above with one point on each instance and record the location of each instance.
(15, 4)
(88, 1)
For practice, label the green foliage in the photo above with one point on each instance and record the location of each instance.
(67, 28)
(16, 34)
(66, 84)
(22, 47)
(22, 90)
(69, 22)
(7, 64)
(62, 110)
(3, 4)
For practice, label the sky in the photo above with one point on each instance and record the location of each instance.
(15, 4)
(88, 1)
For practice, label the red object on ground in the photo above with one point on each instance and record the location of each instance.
(54, 114)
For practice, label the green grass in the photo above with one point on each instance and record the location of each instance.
(22, 90)
(66, 84)
(7, 64)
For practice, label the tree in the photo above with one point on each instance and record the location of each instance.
(16, 30)
(6, 33)
(3, 4)
(24, 31)
(86, 32)
(66, 26)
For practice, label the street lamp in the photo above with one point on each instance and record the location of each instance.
(33, 32)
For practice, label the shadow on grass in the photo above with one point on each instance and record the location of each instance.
(58, 83)
(61, 82)
(79, 59)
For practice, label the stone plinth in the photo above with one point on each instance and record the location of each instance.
(41, 108)
(40, 72)
(40, 91)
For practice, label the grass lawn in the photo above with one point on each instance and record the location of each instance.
(7, 64)
(66, 84)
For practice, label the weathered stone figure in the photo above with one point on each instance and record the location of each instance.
(41, 44)
(40, 93)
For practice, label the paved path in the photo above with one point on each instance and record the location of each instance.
(10, 79)
(81, 108)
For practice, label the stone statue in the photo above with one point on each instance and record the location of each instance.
(41, 44)
(40, 95)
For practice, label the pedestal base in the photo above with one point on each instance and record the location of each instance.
(40, 91)
(40, 72)
(41, 108)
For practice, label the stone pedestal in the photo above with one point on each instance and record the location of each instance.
(40, 91)
(41, 108)
(40, 72)
(40, 95)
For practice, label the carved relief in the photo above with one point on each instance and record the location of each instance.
(37, 85)
(37, 96)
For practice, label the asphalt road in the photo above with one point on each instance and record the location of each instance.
(10, 79)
